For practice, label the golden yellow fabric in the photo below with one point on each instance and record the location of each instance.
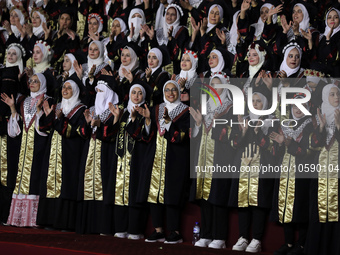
(205, 161)
(158, 172)
(81, 25)
(54, 177)
(25, 161)
(283, 186)
(123, 177)
(323, 186)
(3, 160)
(93, 189)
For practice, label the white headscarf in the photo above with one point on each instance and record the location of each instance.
(327, 29)
(234, 29)
(159, 15)
(104, 98)
(99, 20)
(133, 64)
(192, 72)
(98, 61)
(122, 26)
(19, 61)
(38, 30)
(220, 65)
(264, 101)
(45, 63)
(72, 59)
(211, 26)
(168, 105)
(262, 57)
(22, 22)
(68, 104)
(260, 24)
(305, 105)
(326, 107)
(159, 56)
(304, 24)
(137, 22)
(42, 88)
(175, 24)
(224, 95)
(131, 104)
(289, 71)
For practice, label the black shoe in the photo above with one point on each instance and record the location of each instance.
(284, 250)
(297, 250)
(156, 237)
(174, 238)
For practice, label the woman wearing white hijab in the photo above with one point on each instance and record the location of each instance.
(328, 48)
(325, 188)
(18, 17)
(249, 191)
(216, 62)
(214, 222)
(95, 207)
(155, 76)
(38, 17)
(129, 216)
(291, 203)
(170, 125)
(19, 53)
(135, 22)
(33, 140)
(265, 8)
(58, 197)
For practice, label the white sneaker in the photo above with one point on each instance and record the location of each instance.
(254, 246)
(241, 244)
(121, 234)
(135, 237)
(203, 242)
(217, 244)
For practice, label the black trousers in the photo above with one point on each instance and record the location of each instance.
(5, 202)
(173, 216)
(214, 221)
(289, 230)
(130, 219)
(255, 216)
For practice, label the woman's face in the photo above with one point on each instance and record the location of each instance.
(36, 21)
(213, 60)
(293, 59)
(214, 16)
(125, 57)
(171, 92)
(14, 18)
(67, 91)
(186, 63)
(12, 56)
(94, 51)
(264, 13)
(65, 21)
(333, 19)
(38, 55)
(333, 97)
(152, 60)
(116, 29)
(297, 14)
(257, 102)
(297, 112)
(67, 63)
(93, 25)
(214, 82)
(34, 83)
(253, 57)
(136, 95)
(171, 16)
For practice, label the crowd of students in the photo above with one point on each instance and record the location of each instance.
(101, 119)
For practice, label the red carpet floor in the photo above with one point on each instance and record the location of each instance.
(22, 241)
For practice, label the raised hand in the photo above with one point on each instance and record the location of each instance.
(145, 113)
(28, 28)
(329, 35)
(39, 104)
(7, 100)
(268, 80)
(93, 36)
(195, 26)
(296, 27)
(59, 113)
(78, 68)
(47, 108)
(196, 114)
(204, 26)
(87, 116)
(128, 75)
(274, 10)
(279, 138)
(245, 5)
(7, 26)
(182, 82)
(105, 72)
(132, 30)
(47, 30)
(70, 33)
(221, 35)
(322, 119)
(285, 25)
(307, 35)
(166, 115)
(148, 72)
(114, 109)
(91, 73)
